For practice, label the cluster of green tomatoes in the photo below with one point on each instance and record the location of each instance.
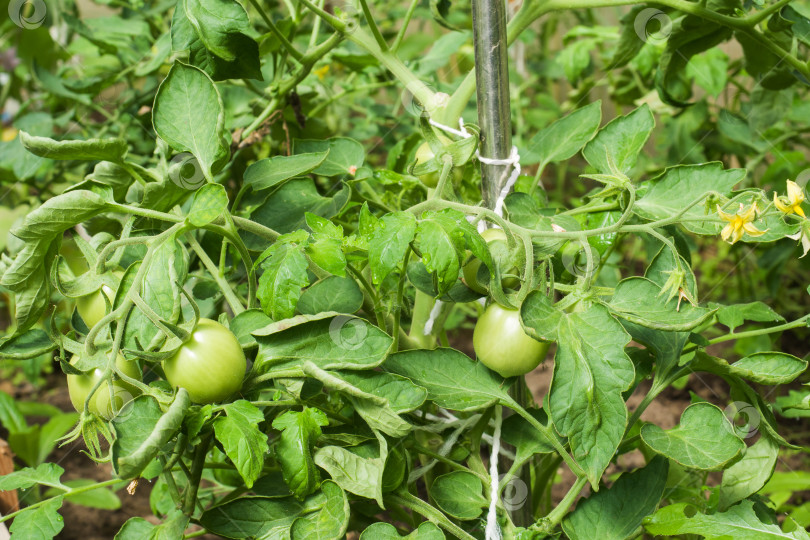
(210, 365)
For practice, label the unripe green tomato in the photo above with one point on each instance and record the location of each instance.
(73, 257)
(425, 154)
(92, 307)
(210, 365)
(470, 269)
(466, 57)
(79, 386)
(501, 344)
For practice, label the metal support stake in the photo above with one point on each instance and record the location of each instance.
(492, 88)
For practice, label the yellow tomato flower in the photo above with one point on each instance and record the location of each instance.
(8, 134)
(795, 198)
(739, 224)
(321, 72)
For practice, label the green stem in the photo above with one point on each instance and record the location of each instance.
(295, 53)
(225, 287)
(375, 31)
(69, 492)
(405, 23)
(449, 462)
(557, 515)
(433, 515)
(196, 473)
(548, 434)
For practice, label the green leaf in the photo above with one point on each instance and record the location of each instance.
(241, 438)
(47, 474)
(246, 322)
(591, 370)
(709, 70)
(103, 498)
(284, 275)
(677, 187)
(517, 431)
(354, 473)
(639, 301)
(142, 432)
(340, 342)
(750, 474)
(160, 290)
(210, 201)
(345, 155)
(440, 239)
(188, 115)
(740, 522)
(620, 141)
(566, 136)
(735, 315)
(271, 172)
(334, 293)
(763, 367)
(136, 528)
(299, 432)
(31, 344)
(285, 210)
(329, 520)
(327, 253)
(11, 418)
(252, 517)
(40, 523)
(689, 35)
(618, 511)
(459, 494)
(215, 34)
(452, 379)
(389, 242)
(87, 150)
(386, 397)
(172, 527)
(28, 275)
(704, 439)
(386, 531)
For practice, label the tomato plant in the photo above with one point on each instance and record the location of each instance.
(262, 234)
(210, 365)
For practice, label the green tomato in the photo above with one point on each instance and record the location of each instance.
(424, 154)
(470, 270)
(501, 344)
(92, 307)
(73, 257)
(79, 387)
(465, 57)
(210, 365)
